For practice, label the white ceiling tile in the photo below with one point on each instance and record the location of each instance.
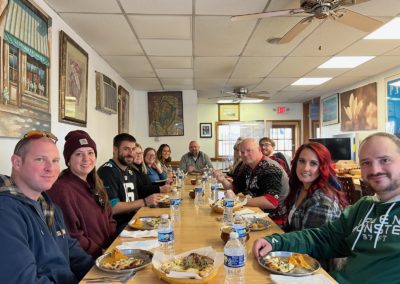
(255, 66)
(338, 83)
(370, 47)
(375, 66)
(107, 34)
(177, 84)
(274, 84)
(146, 84)
(170, 7)
(229, 7)
(175, 73)
(160, 62)
(131, 66)
(326, 72)
(395, 51)
(249, 83)
(214, 67)
(296, 66)
(219, 36)
(378, 8)
(283, 5)
(209, 84)
(275, 27)
(92, 6)
(162, 27)
(167, 47)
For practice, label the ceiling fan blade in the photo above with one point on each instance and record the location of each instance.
(253, 96)
(352, 2)
(255, 16)
(293, 32)
(258, 93)
(220, 97)
(356, 20)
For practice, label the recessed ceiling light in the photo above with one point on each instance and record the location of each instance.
(224, 101)
(345, 61)
(311, 81)
(250, 101)
(390, 30)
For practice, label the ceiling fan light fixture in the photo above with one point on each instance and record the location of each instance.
(390, 30)
(250, 101)
(345, 61)
(224, 101)
(311, 81)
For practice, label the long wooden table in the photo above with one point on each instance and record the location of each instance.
(198, 228)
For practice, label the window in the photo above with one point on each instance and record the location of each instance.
(35, 77)
(284, 137)
(13, 63)
(228, 132)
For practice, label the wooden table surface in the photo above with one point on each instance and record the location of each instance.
(198, 228)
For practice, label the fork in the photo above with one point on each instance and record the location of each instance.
(120, 278)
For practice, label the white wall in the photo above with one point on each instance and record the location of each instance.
(101, 127)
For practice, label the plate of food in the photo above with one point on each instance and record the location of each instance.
(257, 224)
(218, 206)
(289, 263)
(123, 261)
(145, 223)
(164, 202)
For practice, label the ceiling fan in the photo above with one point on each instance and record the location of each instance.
(322, 10)
(243, 93)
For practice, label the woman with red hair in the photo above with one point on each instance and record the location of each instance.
(315, 197)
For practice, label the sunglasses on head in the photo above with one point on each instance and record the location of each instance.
(34, 134)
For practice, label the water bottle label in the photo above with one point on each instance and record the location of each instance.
(166, 237)
(175, 201)
(240, 229)
(228, 203)
(234, 261)
(214, 187)
(198, 190)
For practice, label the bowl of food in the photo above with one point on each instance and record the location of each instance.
(226, 230)
(192, 194)
(193, 181)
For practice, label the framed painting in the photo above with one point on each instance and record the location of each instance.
(73, 81)
(228, 112)
(330, 110)
(393, 105)
(123, 110)
(165, 114)
(358, 108)
(206, 130)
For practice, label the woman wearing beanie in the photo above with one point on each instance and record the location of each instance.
(82, 197)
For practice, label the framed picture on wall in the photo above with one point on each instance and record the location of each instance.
(229, 112)
(330, 110)
(123, 110)
(393, 104)
(73, 81)
(206, 130)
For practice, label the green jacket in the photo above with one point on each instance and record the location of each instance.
(368, 233)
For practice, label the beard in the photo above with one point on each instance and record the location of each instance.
(123, 160)
(393, 185)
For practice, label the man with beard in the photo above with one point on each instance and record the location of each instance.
(368, 232)
(120, 181)
(195, 160)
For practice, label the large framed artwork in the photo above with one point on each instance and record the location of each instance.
(123, 110)
(393, 105)
(330, 110)
(73, 82)
(228, 112)
(359, 108)
(165, 114)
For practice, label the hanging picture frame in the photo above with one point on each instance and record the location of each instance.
(206, 130)
(228, 112)
(330, 110)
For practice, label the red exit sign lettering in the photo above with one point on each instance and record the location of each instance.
(281, 109)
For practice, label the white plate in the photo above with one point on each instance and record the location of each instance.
(147, 256)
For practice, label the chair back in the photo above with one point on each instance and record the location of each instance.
(366, 189)
(348, 188)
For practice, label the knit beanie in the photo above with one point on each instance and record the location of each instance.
(77, 139)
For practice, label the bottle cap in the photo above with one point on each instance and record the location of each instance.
(233, 235)
(164, 216)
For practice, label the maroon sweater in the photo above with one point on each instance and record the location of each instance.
(86, 221)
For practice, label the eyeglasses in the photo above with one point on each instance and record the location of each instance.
(266, 144)
(139, 154)
(34, 134)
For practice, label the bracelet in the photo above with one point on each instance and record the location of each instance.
(145, 203)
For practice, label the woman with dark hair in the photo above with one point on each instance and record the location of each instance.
(314, 198)
(80, 193)
(164, 156)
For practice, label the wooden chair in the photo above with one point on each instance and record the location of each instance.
(365, 188)
(348, 188)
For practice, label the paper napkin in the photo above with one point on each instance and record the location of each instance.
(314, 279)
(138, 234)
(146, 245)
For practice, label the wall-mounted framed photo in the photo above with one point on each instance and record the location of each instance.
(123, 110)
(73, 81)
(228, 112)
(330, 110)
(206, 130)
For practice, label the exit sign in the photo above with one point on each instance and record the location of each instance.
(281, 109)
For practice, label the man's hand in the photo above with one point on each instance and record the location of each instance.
(261, 247)
(152, 200)
(165, 188)
(190, 169)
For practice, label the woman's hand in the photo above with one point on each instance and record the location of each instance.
(261, 247)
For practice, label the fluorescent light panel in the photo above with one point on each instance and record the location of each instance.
(224, 101)
(311, 81)
(345, 61)
(390, 30)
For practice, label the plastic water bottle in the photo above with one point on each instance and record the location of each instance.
(175, 205)
(214, 191)
(234, 260)
(166, 236)
(228, 211)
(239, 226)
(198, 195)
